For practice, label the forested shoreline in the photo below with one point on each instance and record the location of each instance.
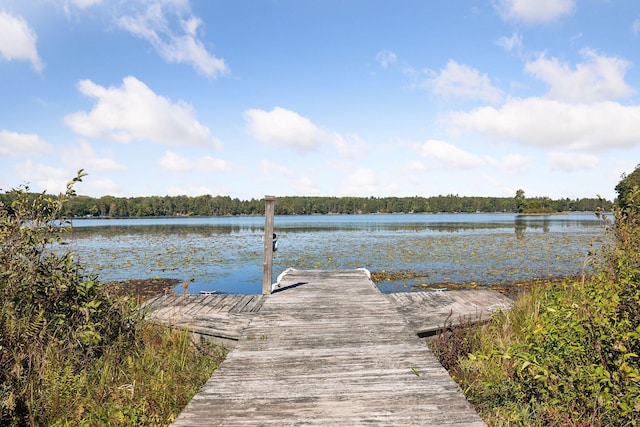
(206, 205)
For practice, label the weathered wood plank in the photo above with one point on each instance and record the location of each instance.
(219, 317)
(159, 302)
(427, 312)
(329, 350)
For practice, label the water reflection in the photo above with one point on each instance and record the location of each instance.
(547, 223)
(153, 229)
(522, 223)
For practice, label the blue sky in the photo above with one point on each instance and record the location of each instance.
(320, 97)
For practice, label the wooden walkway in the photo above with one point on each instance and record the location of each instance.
(329, 349)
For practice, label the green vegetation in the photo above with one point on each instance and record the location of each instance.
(545, 205)
(625, 189)
(70, 352)
(120, 207)
(568, 353)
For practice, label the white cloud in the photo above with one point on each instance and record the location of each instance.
(18, 41)
(190, 190)
(361, 182)
(350, 146)
(576, 37)
(43, 177)
(386, 58)
(512, 164)
(173, 32)
(272, 169)
(285, 128)
(548, 123)
(133, 111)
(83, 156)
(570, 162)
(511, 44)
(458, 80)
(449, 155)
(599, 78)
(14, 144)
(305, 186)
(175, 162)
(208, 163)
(104, 186)
(81, 4)
(416, 166)
(534, 11)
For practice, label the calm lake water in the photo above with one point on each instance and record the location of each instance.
(225, 254)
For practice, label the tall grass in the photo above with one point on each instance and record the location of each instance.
(148, 384)
(70, 352)
(567, 354)
(557, 358)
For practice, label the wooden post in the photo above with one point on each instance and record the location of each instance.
(267, 266)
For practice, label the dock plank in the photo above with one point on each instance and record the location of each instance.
(219, 317)
(427, 312)
(329, 349)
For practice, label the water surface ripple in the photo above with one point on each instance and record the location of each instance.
(225, 253)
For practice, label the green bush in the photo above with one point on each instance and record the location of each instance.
(71, 353)
(568, 353)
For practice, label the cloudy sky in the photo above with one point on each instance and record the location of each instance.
(320, 97)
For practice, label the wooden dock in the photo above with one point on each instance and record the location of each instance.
(427, 313)
(219, 318)
(328, 349)
(222, 318)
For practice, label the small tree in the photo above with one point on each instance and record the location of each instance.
(520, 201)
(626, 187)
(624, 257)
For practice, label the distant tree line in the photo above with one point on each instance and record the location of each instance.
(155, 206)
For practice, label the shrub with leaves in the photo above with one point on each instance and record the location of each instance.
(48, 307)
(569, 353)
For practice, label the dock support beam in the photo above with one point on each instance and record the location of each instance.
(267, 266)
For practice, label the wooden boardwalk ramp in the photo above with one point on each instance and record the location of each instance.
(219, 318)
(329, 349)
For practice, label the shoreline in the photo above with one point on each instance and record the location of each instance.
(144, 289)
